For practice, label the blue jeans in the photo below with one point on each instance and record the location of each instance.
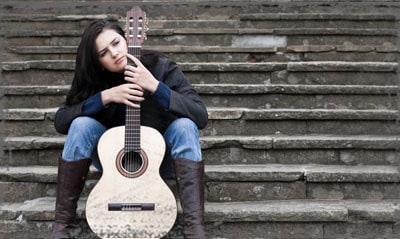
(181, 138)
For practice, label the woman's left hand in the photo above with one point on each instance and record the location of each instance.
(140, 75)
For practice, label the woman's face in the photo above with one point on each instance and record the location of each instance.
(112, 49)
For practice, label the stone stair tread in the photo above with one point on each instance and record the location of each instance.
(42, 209)
(217, 49)
(309, 173)
(231, 113)
(222, 31)
(302, 141)
(294, 89)
(226, 66)
(249, 142)
(53, 17)
(316, 16)
(241, 173)
(229, 89)
(244, 16)
(306, 100)
(305, 210)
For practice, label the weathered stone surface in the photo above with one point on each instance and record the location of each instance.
(341, 66)
(288, 86)
(331, 142)
(317, 16)
(334, 173)
(373, 38)
(369, 157)
(358, 230)
(349, 190)
(238, 173)
(348, 46)
(29, 174)
(21, 191)
(273, 211)
(272, 230)
(254, 191)
(263, 142)
(336, 78)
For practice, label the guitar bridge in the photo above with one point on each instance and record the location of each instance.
(131, 206)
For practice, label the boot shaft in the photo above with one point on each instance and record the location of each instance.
(190, 181)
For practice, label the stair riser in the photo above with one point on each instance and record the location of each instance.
(301, 127)
(242, 56)
(33, 128)
(246, 191)
(235, 155)
(37, 77)
(335, 78)
(200, 8)
(241, 127)
(317, 23)
(274, 230)
(302, 101)
(255, 101)
(22, 191)
(316, 230)
(365, 191)
(236, 191)
(167, 39)
(44, 25)
(49, 22)
(337, 40)
(64, 77)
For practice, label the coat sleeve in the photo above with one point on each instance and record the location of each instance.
(184, 99)
(65, 115)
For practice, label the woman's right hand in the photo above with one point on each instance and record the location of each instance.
(127, 94)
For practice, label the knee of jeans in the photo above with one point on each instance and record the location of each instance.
(84, 126)
(82, 123)
(184, 125)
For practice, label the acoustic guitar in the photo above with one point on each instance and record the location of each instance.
(131, 200)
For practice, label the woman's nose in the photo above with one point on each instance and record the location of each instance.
(114, 52)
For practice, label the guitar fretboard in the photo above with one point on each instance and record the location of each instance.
(132, 117)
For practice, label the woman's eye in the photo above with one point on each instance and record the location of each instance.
(102, 54)
(115, 42)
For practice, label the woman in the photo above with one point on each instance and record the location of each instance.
(103, 85)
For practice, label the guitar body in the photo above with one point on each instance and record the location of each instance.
(135, 204)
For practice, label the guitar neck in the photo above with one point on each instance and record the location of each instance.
(136, 25)
(132, 117)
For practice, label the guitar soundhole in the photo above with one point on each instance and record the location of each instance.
(131, 164)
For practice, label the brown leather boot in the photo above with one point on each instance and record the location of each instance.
(70, 181)
(190, 181)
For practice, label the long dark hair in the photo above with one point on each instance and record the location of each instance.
(89, 76)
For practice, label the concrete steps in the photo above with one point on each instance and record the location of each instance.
(239, 182)
(346, 51)
(323, 32)
(60, 72)
(240, 121)
(304, 206)
(278, 218)
(303, 139)
(233, 149)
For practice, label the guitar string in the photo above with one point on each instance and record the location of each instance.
(133, 160)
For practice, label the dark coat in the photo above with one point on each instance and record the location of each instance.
(184, 102)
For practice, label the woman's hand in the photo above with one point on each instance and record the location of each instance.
(127, 94)
(140, 75)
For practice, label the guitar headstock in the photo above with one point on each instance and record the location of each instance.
(136, 26)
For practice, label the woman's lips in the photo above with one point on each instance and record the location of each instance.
(119, 60)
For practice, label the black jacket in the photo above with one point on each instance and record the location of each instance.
(184, 102)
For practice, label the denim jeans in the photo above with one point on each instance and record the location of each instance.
(181, 138)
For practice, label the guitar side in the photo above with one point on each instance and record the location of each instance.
(137, 219)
